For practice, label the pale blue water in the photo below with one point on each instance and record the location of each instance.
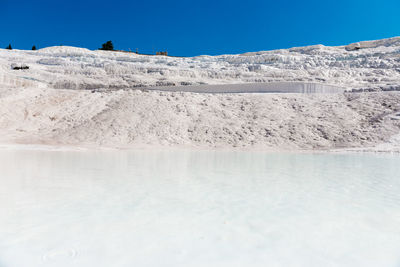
(182, 208)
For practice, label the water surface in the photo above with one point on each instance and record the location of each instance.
(182, 208)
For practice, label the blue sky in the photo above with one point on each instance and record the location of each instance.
(190, 28)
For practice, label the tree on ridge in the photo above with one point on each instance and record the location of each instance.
(107, 46)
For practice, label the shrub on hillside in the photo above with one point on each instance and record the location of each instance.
(107, 46)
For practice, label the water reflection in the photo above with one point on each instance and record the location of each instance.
(185, 208)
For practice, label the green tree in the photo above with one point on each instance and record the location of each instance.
(107, 46)
(9, 47)
(34, 47)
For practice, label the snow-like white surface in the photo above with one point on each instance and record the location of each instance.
(148, 208)
(253, 121)
(375, 66)
(38, 105)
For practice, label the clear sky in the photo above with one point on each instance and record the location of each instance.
(187, 28)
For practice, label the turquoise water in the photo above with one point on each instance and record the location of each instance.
(183, 208)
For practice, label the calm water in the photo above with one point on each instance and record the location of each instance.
(116, 208)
